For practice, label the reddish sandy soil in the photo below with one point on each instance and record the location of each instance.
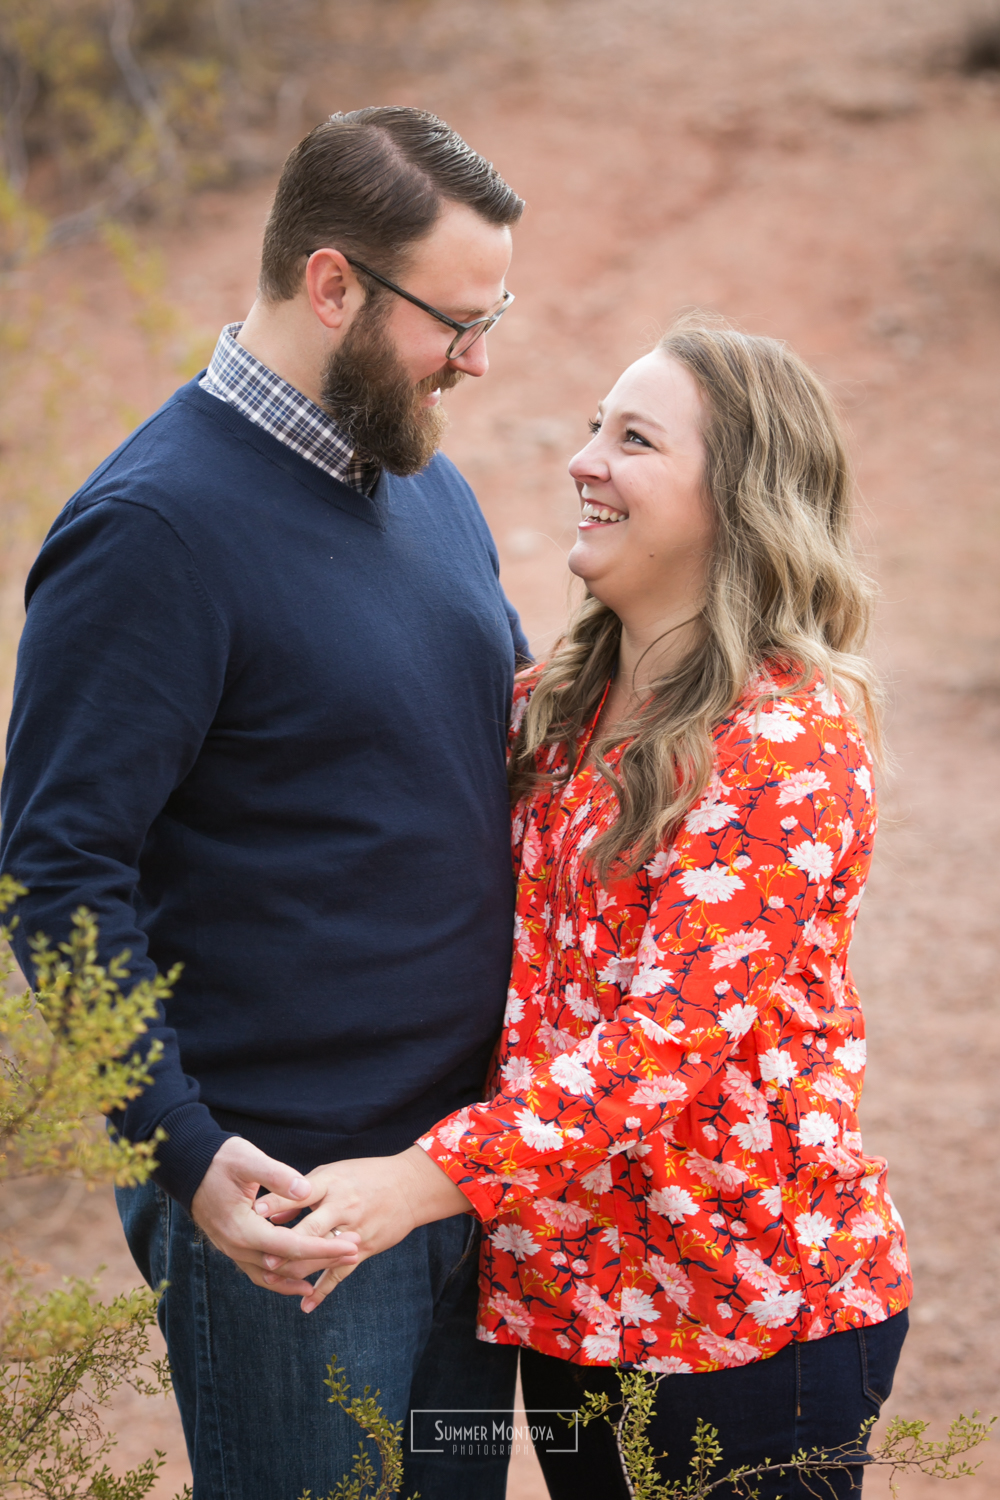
(809, 173)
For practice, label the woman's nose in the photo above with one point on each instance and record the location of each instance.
(587, 467)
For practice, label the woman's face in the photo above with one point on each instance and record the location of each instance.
(645, 531)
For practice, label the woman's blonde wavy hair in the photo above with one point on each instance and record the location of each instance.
(784, 590)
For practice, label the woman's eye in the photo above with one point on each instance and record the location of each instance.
(594, 426)
(631, 436)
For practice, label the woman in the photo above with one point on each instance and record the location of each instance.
(669, 1170)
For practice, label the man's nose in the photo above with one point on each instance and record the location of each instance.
(474, 361)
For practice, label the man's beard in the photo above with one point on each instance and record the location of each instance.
(368, 392)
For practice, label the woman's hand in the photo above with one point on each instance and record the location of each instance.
(378, 1198)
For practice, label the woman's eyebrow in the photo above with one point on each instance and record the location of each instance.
(643, 417)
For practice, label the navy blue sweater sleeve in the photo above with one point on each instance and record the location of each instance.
(522, 651)
(120, 670)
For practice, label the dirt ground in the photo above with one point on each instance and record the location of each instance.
(822, 174)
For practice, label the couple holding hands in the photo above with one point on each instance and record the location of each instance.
(391, 1139)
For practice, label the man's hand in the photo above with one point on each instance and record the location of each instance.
(377, 1200)
(223, 1207)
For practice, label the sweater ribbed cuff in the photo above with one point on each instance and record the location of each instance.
(185, 1156)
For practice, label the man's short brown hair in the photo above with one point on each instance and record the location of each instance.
(370, 183)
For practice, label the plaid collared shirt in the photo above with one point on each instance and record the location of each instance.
(238, 378)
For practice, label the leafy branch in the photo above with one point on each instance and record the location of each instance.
(69, 1054)
(904, 1449)
(365, 1482)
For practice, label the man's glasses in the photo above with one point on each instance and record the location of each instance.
(466, 334)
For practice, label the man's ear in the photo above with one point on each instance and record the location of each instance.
(333, 289)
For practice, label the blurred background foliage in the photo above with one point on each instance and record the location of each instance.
(119, 104)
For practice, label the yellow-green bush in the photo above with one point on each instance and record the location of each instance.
(67, 1056)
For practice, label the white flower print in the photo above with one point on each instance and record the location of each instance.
(515, 1009)
(753, 1134)
(709, 816)
(588, 941)
(618, 971)
(817, 1128)
(555, 1041)
(612, 1239)
(800, 785)
(866, 1302)
(898, 1258)
(853, 1055)
(738, 1086)
(637, 1307)
(728, 1352)
(451, 1133)
(722, 1175)
(738, 1020)
(581, 1005)
(827, 700)
(650, 981)
(847, 832)
(820, 933)
(711, 885)
(515, 1240)
(778, 1066)
(666, 1364)
(518, 1074)
(790, 996)
(814, 860)
(771, 1199)
(598, 1313)
(653, 1029)
(531, 850)
(517, 1317)
(540, 1135)
(517, 713)
(832, 1087)
(755, 1269)
(598, 1179)
(673, 1203)
(862, 776)
(738, 946)
(775, 1312)
(559, 1215)
(521, 1177)
(565, 934)
(569, 1072)
(601, 1348)
(779, 726)
(813, 1230)
(866, 1226)
(661, 862)
(658, 1091)
(674, 1280)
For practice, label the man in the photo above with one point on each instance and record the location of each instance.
(259, 730)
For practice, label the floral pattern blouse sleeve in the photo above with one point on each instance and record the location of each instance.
(742, 924)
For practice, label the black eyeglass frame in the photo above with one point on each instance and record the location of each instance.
(461, 329)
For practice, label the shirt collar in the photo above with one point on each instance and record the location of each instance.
(240, 379)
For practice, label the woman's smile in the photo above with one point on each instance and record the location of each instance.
(599, 515)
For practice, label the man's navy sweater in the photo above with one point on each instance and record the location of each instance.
(259, 729)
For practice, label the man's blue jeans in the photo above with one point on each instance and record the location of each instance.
(249, 1366)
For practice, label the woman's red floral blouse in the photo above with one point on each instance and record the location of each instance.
(670, 1169)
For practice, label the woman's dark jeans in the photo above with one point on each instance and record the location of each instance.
(813, 1395)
